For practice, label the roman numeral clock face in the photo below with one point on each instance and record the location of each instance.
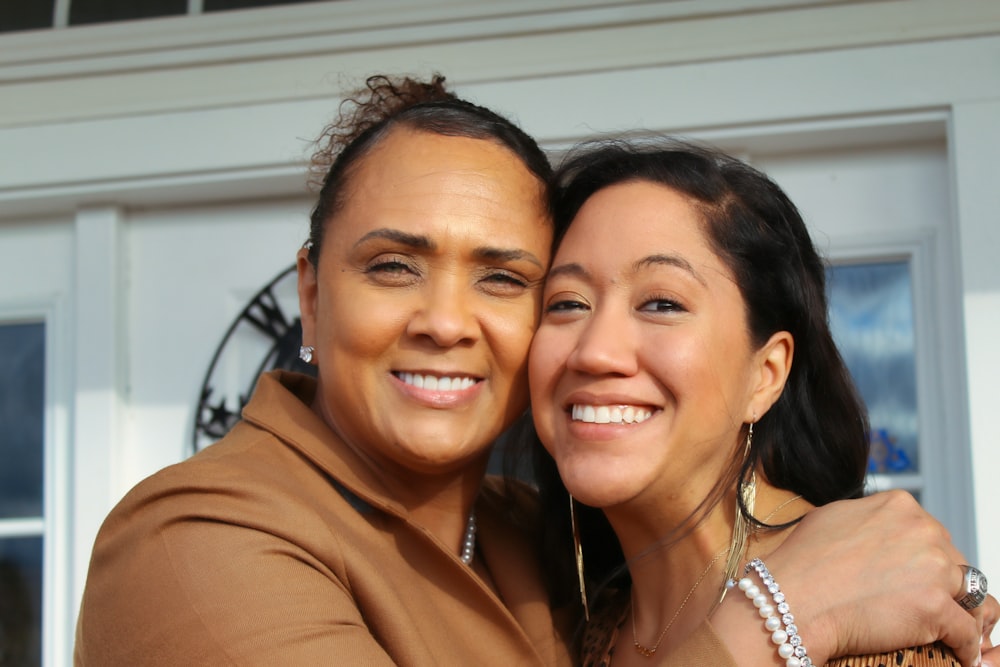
(266, 335)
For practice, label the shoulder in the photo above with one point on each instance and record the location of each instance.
(247, 467)
(246, 493)
(930, 655)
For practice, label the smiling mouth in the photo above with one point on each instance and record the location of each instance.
(610, 414)
(436, 382)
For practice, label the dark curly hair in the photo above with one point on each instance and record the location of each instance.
(366, 117)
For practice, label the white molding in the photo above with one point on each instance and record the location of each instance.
(285, 30)
(974, 143)
(880, 482)
(59, 608)
(100, 391)
(472, 42)
(22, 527)
(231, 152)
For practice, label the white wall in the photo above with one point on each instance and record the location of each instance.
(170, 156)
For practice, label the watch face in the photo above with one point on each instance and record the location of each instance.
(266, 335)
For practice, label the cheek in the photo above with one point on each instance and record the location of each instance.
(547, 357)
(543, 359)
(510, 331)
(357, 326)
(706, 376)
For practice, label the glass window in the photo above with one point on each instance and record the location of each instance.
(101, 11)
(219, 5)
(20, 601)
(22, 400)
(871, 315)
(26, 15)
(22, 405)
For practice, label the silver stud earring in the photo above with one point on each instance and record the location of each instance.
(306, 353)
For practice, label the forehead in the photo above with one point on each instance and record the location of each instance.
(639, 216)
(413, 175)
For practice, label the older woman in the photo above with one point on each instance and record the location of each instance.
(685, 381)
(346, 520)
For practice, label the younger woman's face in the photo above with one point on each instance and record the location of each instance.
(424, 300)
(642, 371)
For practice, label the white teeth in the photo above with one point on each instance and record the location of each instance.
(603, 415)
(435, 383)
(610, 414)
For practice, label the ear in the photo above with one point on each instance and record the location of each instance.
(308, 296)
(773, 364)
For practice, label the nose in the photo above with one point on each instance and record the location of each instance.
(605, 345)
(446, 314)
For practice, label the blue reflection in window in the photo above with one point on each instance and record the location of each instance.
(22, 401)
(871, 315)
(20, 601)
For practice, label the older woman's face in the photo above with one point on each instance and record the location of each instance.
(425, 299)
(642, 371)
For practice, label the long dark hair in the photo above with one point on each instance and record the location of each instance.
(814, 439)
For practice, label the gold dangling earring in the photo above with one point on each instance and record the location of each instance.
(578, 551)
(742, 527)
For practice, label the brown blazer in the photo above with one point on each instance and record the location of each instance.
(276, 546)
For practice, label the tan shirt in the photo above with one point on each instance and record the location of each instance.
(276, 546)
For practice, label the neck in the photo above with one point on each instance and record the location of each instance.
(664, 575)
(444, 511)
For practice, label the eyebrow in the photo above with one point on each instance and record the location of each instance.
(572, 269)
(507, 255)
(413, 240)
(421, 242)
(669, 260)
(576, 270)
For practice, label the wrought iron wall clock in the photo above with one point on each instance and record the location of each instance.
(266, 335)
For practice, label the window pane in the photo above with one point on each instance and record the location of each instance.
(21, 601)
(101, 11)
(871, 314)
(26, 15)
(22, 399)
(217, 5)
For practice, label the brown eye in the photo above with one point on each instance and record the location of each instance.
(392, 271)
(662, 306)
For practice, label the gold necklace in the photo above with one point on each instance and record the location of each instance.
(648, 652)
(779, 507)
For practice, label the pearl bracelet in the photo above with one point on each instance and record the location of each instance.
(778, 619)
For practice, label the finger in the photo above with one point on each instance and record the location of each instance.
(960, 630)
(991, 614)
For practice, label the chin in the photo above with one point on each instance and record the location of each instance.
(595, 490)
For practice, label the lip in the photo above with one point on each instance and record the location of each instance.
(414, 384)
(611, 399)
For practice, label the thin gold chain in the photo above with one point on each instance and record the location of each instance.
(779, 507)
(648, 652)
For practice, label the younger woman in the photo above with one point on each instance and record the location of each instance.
(685, 381)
